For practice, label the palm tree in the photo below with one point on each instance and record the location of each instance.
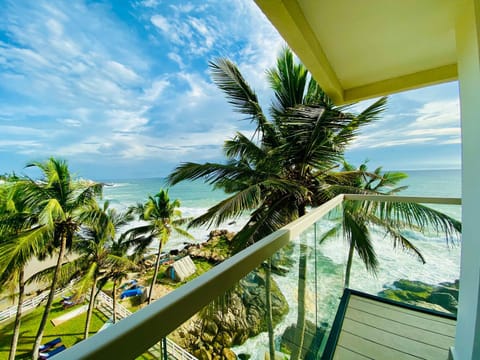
(277, 173)
(288, 164)
(95, 245)
(280, 171)
(57, 202)
(161, 217)
(120, 271)
(15, 254)
(358, 216)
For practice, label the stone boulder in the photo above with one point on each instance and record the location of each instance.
(442, 297)
(445, 300)
(242, 315)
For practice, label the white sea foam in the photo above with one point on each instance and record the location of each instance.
(442, 262)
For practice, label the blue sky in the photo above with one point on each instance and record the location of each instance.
(121, 89)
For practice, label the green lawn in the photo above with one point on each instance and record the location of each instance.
(70, 331)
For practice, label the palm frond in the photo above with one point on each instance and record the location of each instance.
(357, 233)
(232, 207)
(211, 172)
(421, 216)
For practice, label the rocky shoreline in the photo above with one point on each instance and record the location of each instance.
(210, 334)
(234, 318)
(442, 297)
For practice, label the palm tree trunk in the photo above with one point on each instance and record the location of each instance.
(268, 304)
(18, 316)
(114, 305)
(48, 305)
(349, 264)
(300, 331)
(155, 273)
(91, 305)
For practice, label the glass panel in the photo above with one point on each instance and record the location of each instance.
(401, 275)
(306, 282)
(301, 309)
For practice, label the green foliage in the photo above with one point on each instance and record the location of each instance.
(275, 174)
(71, 331)
(393, 218)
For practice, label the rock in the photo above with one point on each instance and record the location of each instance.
(208, 338)
(445, 300)
(210, 327)
(431, 306)
(225, 339)
(404, 295)
(203, 354)
(243, 316)
(443, 297)
(228, 354)
(449, 290)
(415, 286)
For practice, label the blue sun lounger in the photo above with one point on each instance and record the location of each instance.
(131, 292)
(48, 355)
(50, 344)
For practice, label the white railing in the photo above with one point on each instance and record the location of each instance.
(29, 304)
(122, 311)
(173, 349)
(137, 333)
(177, 352)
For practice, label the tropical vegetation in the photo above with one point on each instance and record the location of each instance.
(358, 217)
(101, 256)
(293, 161)
(15, 218)
(290, 164)
(161, 217)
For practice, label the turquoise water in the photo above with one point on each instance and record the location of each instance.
(326, 262)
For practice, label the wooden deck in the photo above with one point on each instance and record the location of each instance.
(367, 327)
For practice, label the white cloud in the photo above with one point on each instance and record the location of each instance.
(21, 146)
(114, 86)
(176, 58)
(156, 89)
(55, 27)
(126, 121)
(399, 142)
(121, 72)
(183, 8)
(160, 22)
(438, 113)
(22, 131)
(87, 148)
(70, 122)
(433, 123)
(149, 3)
(434, 132)
(456, 140)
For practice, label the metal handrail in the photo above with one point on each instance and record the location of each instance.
(134, 335)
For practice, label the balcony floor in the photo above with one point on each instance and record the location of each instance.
(367, 327)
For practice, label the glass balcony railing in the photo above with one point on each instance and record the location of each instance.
(225, 312)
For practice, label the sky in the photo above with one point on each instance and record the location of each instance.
(121, 89)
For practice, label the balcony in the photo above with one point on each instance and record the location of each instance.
(289, 249)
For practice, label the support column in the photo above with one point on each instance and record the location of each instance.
(467, 340)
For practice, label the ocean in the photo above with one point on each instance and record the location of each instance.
(325, 283)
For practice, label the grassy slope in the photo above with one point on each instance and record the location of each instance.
(71, 331)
